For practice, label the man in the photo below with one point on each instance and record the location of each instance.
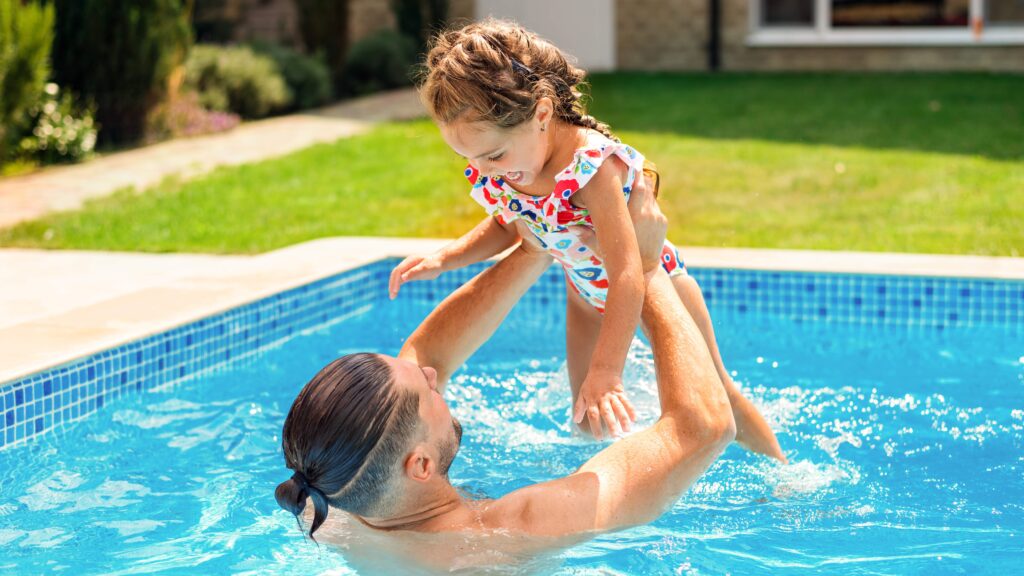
(373, 436)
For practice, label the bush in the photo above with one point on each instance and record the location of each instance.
(236, 79)
(120, 54)
(379, 62)
(183, 117)
(307, 77)
(419, 19)
(62, 132)
(324, 25)
(26, 33)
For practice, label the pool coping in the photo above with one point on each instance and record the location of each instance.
(52, 341)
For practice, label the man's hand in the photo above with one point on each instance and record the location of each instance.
(412, 268)
(602, 397)
(530, 243)
(649, 223)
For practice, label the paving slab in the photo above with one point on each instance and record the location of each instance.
(58, 306)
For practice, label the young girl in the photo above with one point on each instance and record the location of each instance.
(509, 103)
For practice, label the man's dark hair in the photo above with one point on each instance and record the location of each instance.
(344, 437)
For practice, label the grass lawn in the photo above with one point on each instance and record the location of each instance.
(903, 163)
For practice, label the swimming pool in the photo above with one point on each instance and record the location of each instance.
(899, 400)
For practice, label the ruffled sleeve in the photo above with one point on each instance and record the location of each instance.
(491, 197)
(588, 160)
(585, 164)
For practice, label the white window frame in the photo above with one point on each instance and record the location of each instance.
(822, 33)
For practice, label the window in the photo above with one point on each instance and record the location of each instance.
(788, 12)
(1003, 12)
(886, 22)
(899, 13)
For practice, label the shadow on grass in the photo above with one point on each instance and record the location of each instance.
(973, 114)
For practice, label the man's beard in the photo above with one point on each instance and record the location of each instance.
(450, 448)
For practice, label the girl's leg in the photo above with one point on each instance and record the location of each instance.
(752, 432)
(582, 325)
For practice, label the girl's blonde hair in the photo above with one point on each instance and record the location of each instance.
(496, 71)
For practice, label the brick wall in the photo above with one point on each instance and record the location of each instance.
(277, 20)
(461, 10)
(274, 21)
(737, 56)
(367, 17)
(661, 34)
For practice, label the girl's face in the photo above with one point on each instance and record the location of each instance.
(517, 154)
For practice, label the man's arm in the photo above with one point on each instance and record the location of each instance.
(471, 314)
(637, 478)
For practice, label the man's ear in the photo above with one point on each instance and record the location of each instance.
(419, 466)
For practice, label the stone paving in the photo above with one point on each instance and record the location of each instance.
(68, 187)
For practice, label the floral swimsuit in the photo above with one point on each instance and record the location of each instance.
(556, 222)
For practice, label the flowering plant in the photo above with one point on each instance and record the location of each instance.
(61, 132)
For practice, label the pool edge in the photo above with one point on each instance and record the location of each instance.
(88, 330)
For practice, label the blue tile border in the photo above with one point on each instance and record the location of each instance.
(866, 299)
(39, 403)
(43, 402)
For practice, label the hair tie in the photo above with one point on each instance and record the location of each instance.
(301, 480)
(520, 67)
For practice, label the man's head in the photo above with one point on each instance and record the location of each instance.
(363, 434)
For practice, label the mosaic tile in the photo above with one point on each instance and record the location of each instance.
(42, 402)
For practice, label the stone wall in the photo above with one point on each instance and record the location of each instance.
(736, 55)
(461, 10)
(661, 34)
(277, 20)
(367, 17)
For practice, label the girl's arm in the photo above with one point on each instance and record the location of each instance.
(486, 239)
(602, 395)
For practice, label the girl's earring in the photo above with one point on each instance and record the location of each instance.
(543, 127)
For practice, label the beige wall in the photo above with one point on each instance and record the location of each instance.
(737, 56)
(584, 29)
(661, 34)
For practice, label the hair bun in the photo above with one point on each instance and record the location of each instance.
(291, 495)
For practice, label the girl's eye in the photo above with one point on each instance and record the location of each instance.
(497, 157)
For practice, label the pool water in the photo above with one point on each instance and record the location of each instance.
(905, 448)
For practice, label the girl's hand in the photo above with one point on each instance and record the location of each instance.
(414, 268)
(603, 397)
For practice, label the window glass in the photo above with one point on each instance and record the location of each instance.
(1004, 11)
(788, 12)
(901, 13)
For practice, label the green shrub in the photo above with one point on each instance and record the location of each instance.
(378, 62)
(323, 25)
(419, 19)
(62, 132)
(236, 79)
(307, 77)
(26, 33)
(120, 54)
